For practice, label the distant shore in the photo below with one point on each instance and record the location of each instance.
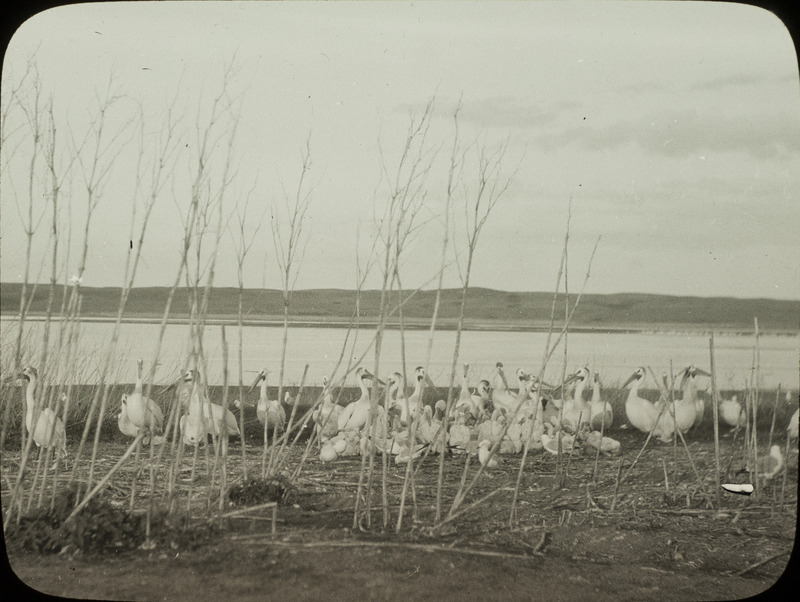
(485, 310)
(441, 325)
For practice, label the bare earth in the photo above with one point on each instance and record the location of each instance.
(567, 543)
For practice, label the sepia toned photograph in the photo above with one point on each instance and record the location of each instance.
(384, 300)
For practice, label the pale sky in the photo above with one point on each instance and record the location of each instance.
(674, 128)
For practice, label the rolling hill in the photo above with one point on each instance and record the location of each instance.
(485, 308)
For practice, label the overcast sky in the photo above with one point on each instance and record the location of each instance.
(672, 127)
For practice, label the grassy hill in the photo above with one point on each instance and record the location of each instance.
(485, 308)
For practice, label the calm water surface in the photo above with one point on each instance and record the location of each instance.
(614, 356)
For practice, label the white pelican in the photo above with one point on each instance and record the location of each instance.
(691, 393)
(49, 430)
(576, 412)
(643, 414)
(480, 398)
(550, 441)
(502, 398)
(465, 398)
(355, 414)
(791, 430)
(415, 399)
(326, 416)
(126, 427)
(142, 412)
(270, 412)
(201, 411)
(769, 466)
(483, 454)
(459, 432)
(606, 445)
(733, 413)
(601, 411)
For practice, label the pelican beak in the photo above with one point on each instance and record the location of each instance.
(702, 372)
(631, 378)
(572, 378)
(684, 376)
(174, 383)
(256, 381)
(367, 374)
(429, 382)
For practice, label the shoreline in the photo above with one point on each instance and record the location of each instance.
(442, 325)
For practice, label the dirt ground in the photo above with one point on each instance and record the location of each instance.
(573, 542)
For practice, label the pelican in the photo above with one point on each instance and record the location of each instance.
(733, 413)
(465, 398)
(791, 430)
(49, 430)
(201, 411)
(502, 398)
(550, 441)
(326, 417)
(576, 412)
(355, 414)
(480, 398)
(690, 391)
(606, 445)
(126, 427)
(459, 432)
(483, 454)
(270, 412)
(643, 414)
(142, 412)
(772, 464)
(415, 400)
(602, 414)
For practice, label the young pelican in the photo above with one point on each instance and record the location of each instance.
(772, 464)
(550, 441)
(355, 414)
(142, 412)
(49, 430)
(601, 411)
(326, 416)
(643, 414)
(733, 413)
(270, 412)
(483, 454)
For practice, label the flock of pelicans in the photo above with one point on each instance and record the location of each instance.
(491, 418)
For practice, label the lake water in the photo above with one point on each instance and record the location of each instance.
(615, 356)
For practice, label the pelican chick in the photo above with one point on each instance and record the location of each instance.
(732, 412)
(483, 454)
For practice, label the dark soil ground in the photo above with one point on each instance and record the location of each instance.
(572, 542)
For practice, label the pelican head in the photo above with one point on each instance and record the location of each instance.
(691, 372)
(262, 375)
(637, 376)
(363, 374)
(483, 388)
(29, 373)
